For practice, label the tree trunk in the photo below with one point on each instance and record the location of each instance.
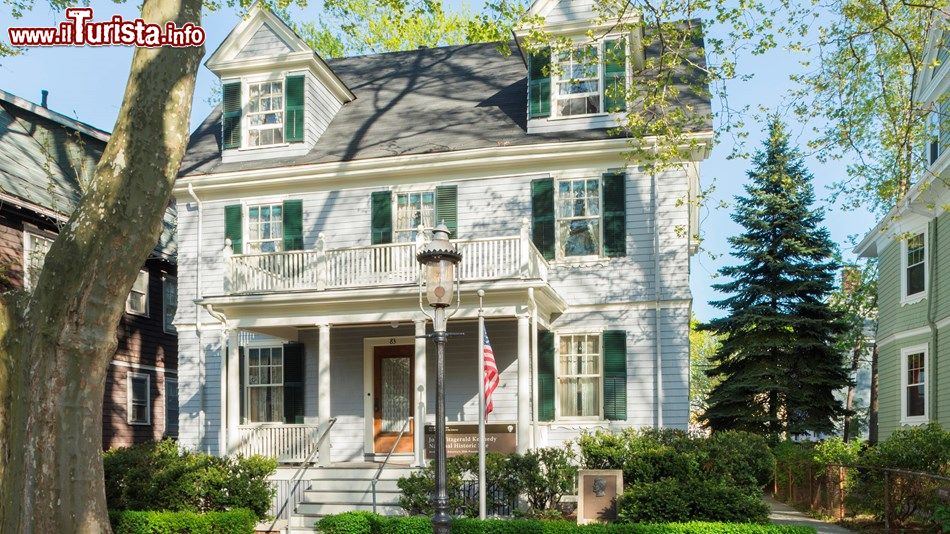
(57, 342)
(872, 408)
(849, 401)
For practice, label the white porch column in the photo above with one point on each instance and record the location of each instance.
(323, 390)
(234, 391)
(524, 383)
(420, 394)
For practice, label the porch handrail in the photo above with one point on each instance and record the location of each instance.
(379, 471)
(298, 475)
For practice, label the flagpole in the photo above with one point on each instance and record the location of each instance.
(481, 408)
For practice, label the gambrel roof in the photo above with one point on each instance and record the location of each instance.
(425, 101)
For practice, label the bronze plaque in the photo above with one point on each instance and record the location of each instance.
(462, 438)
(597, 492)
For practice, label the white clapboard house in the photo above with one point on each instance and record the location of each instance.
(300, 204)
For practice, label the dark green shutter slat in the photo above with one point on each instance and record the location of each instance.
(615, 375)
(293, 383)
(232, 227)
(542, 216)
(294, 109)
(545, 376)
(382, 217)
(242, 410)
(293, 225)
(446, 207)
(615, 76)
(615, 215)
(231, 115)
(539, 83)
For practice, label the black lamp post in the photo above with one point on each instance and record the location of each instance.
(439, 259)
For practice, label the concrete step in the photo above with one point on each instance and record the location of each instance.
(350, 473)
(357, 496)
(320, 509)
(329, 485)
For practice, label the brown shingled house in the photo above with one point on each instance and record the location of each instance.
(46, 160)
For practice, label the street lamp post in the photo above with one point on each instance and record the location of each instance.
(439, 259)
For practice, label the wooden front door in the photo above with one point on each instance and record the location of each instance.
(393, 397)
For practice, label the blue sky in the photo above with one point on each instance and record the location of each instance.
(87, 83)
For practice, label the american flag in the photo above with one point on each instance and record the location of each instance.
(491, 375)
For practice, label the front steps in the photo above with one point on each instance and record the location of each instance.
(347, 488)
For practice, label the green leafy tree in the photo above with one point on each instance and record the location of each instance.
(778, 364)
(703, 345)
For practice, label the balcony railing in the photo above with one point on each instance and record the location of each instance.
(379, 265)
(285, 443)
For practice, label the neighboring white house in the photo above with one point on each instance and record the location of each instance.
(300, 202)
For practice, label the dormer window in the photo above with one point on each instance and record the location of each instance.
(588, 79)
(271, 112)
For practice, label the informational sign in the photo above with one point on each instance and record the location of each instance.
(597, 493)
(462, 438)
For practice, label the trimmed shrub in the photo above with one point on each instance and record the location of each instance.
(543, 476)
(654, 502)
(669, 501)
(238, 521)
(365, 523)
(158, 476)
(739, 458)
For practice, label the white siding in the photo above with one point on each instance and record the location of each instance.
(321, 107)
(569, 10)
(264, 43)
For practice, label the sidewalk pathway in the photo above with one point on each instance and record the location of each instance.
(783, 514)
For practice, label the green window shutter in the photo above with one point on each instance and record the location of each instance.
(231, 115)
(242, 411)
(294, 109)
(542, 216)
(232, 227)
(615, 215)
(293, 383)
(446, 207)
(615, 375)
(545, 376)
(539, 83)
(293, 224)
(615, 75)
(382, 217)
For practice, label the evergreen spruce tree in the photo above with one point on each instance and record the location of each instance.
(778, 365)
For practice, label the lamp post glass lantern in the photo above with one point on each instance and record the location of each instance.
(439, 259)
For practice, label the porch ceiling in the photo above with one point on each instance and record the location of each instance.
(285, 311)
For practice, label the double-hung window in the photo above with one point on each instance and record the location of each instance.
(578, 204)
(265, 384)
(137, 301)
(413, 209)
(578, 81)
(579, 372)
(265, 113)
(914, 384)
(169, 303)
(265, 228)
(914, 263)
(35, 248)
(139, 400)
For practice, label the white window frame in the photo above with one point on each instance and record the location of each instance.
(905, 352)
(395, 211)
(601, 75)
(169, 327)
(246, 227)
(148, 399)
(557, 375)
(28, 251)
(247, 347)
(559, 255)
(169, 381)
(246, 112)
(128, 299)
(916, 297)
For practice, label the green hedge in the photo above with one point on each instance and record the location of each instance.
(367, 523)
(238, 521)
(670, 501)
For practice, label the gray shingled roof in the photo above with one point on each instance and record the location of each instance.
(46, 159)
(420, 101)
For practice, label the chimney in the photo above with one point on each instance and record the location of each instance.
(44, 94)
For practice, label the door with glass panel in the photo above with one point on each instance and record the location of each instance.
(394, 386)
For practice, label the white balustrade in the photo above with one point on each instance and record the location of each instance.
(379, 265)
(286, 443)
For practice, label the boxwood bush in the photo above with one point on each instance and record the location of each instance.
(671, 501)
(238, 521)
(158, 476)
(366, 523)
